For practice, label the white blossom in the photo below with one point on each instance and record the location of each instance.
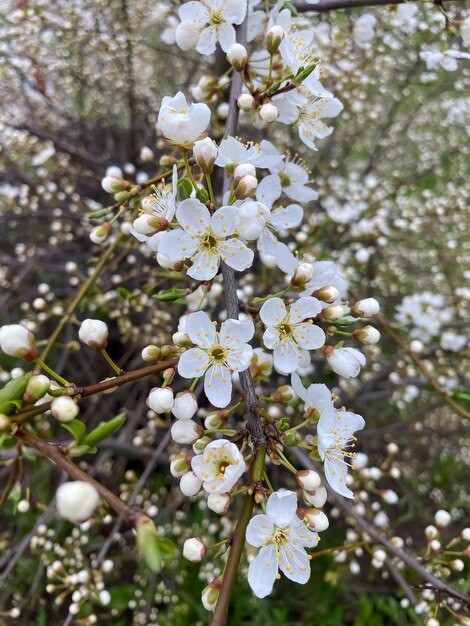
(217, 354)
(180, 122)
(76, 501)
(346, 362)
(233, 152)
(94, 333)
(64, 408)
(292, 177)
(219, 466)
(16, 340)
(282, 538)
(194, 549)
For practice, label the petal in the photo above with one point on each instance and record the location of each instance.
(236, 254)
(304, 308)
(273, 312)
(227, 36)
(295, 563)
(177, 245)
(336, 473)
(218, 386)
(193, 363)
(193, 216)
(285, 260)
(281, 507)
(235, 332)
(299, 388)
(239, 359)
(303, 535)
(287, 357)
(269, 190)
(270, 338)
(201, 330)
(234, 11)
(224, 222)
(300, 193)
(267, 242)
(309, 336)
(287, 217)
(205, 265)
(259, 530)
(262, 572)
(207, 41)
(194, 12)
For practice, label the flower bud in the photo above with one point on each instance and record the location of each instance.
(200, 445)
(302, 274)
(327, 294)
(283, 394)
(185, 405)
(333, 312)
(190, 484)
(205, 153)
(274, 37)
(76, 501)
(94, 333)
(431, 532)
(269, 112)
(389, 496)
(465, 534)
(194, 549)
(244, 169)
(315, 519)
(210, 595)
(64, 409)
(457, 565)
(4, 423)
(180, 464)
(219, 502)
(100, 233)
(237, 56)
(16, 340)
(151, 353)
(435, 545)
(186, 432)
(365, 308)
(113, 184)
(246, 187)
(146, 154)
(442, 518)
(147, 224)
(161, 399)
(246, 102)
(186, 36)
(36, 388)
(316, 498)
(367, 335)
(181, 338)
(308, 480)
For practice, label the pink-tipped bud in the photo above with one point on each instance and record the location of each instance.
(316, 498)
(365, 308)
(64, 409)
(237, 56)
(219, 502)
(246, 187)
(244, 169)
(308, 480)
(94, 333)
(274, 38)
(186, 432)
(333, 312)
(16, 340)
(36, 388)
(200, 445)
(302, 274)
(181, 339)
(160, 399)
(328, 294)
(367, 335)
(315, 519)
(147, 224)
(210, 594)
(205, 153)
(185, 405)
(194, 549)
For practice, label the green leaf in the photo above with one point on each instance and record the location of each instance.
(125, 293)
(76, 428)
(202, 195)
(167, 547)
(185, 189)
(148, 542)
(103, 431)
(11, 396)
(170, 295)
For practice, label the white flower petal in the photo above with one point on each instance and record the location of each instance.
(193, 216)
(262, 572)
(193, 363)
(336, 473)
(224, 222)
(304, 308)
(287, 217)
(235, 332)
(287, 357)
(273, 312)
(259, 529)
(176, 245)
(295, 563)
(205, 265)
(200, 329)
(236, 254)
(309, 336)
(218, 386)
(281, 507)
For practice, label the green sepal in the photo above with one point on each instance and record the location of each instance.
(303, 73)
(202, 195)
(184, 189)
(11, 396)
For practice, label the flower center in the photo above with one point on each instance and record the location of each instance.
(285, 330)
(285, 180)
(209, 242)
(218, 353)
(216, 19)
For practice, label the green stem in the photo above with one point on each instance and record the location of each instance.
(115, 367)
(51, 372)
(285, 462)
(267, 481)
(211, 190)
(188, 169)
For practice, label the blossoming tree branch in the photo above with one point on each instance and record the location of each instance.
(249, 429)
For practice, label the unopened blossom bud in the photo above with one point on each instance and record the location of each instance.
(36, 388)
(367, 335)
(100, 233)
(185, 405)
(146, 154)
(282, 394)
(333, 312)
(432, 621)
(194, 549)
(365, 308)
(190, 484)
(151, 353)
(147, 224)
(274, 37)
(315, 519)
(269, 112)
(113, 184)
(218, 502)
(237, 56)
(215, 420)
(465, 534)
(94, 333)
(316, 498)
(302, 274)
(167, 161)
(165, 262)
(180, 464)
(435, 545)
(389, 496)
(200, 445)
(16, 340)
(210, 595)
(168, 374)
(457, 565)
(327, 294)
(180, 338)
(244, 169)
(76, 501)
(308, 480)
(246, 187)
(205, 153)
(186, 432)
(64, 409)
(246, 102)
(442, 518)
(431, 532)
(186, 36)
(160, 399)
(4, 423)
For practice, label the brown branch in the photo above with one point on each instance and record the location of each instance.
(324, 6)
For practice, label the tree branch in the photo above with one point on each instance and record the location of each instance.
(324, 6)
